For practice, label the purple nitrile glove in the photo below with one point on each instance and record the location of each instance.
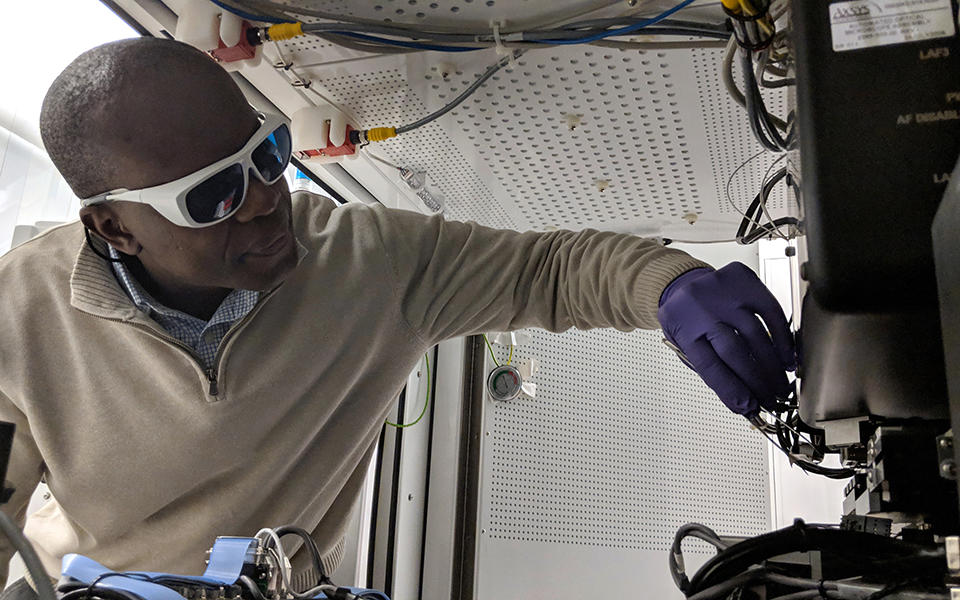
(712, 317)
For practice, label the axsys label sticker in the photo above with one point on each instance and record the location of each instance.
(869, 23)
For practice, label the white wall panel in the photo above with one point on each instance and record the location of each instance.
(621, 446)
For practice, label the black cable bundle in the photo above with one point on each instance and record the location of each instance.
(788, 429)
(311, 545)
(104, 593)
(888, 559)
(73, 590)
(764, 129)
(675, 560)
(751, 230)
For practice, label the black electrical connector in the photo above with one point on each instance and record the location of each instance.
(256, 36)
(874, 525)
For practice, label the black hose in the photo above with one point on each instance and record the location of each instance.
(41, 582)
(675, 558)
(763, 127)
(870, 550)
(311, 547)
(753, 212)
(104, 593)
(547, 36)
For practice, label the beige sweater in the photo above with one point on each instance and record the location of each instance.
(146, 467)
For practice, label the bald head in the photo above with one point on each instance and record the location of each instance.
(141, 112)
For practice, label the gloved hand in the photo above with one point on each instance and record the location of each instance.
(712, 318)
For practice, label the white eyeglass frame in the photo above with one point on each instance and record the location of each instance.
(170, 199)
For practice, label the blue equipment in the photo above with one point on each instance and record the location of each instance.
(239, 568)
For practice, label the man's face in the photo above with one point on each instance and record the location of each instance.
(253, 249)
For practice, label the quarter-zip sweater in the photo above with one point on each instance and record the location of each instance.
(203, 336)
(148, 461)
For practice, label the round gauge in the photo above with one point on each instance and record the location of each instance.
(505, 383)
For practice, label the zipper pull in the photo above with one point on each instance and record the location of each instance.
(212, 377)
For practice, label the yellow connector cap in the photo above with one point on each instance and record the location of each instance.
(378, 134)
(284, 31)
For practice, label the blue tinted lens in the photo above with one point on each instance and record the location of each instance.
(273, 154)
(217, 197)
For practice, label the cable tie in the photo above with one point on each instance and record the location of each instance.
(498, 41)
(822, 589)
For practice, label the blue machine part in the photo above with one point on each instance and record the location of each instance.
(362, 593)
(87, 570)
(227, 558)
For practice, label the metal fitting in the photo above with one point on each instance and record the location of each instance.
(952, 546)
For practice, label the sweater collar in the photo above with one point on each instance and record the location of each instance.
(94, 288)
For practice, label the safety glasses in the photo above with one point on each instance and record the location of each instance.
(217, 191)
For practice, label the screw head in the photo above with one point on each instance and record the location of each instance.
(948, 469)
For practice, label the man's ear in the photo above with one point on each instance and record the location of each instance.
(104, 221)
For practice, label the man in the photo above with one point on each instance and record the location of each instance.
(219, 356)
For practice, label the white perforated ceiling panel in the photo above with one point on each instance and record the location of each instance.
(727, 152)
(371, 94)
(655, 137)
(478, 14)
(551, 171)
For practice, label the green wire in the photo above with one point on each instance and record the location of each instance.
(491, 350)
(425, 404)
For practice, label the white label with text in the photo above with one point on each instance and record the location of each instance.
(869, 23)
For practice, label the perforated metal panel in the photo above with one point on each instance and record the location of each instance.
(595, 171)
(727, 152)
(373, 93)
(480, 13)
(620, 447)
(655, 137)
